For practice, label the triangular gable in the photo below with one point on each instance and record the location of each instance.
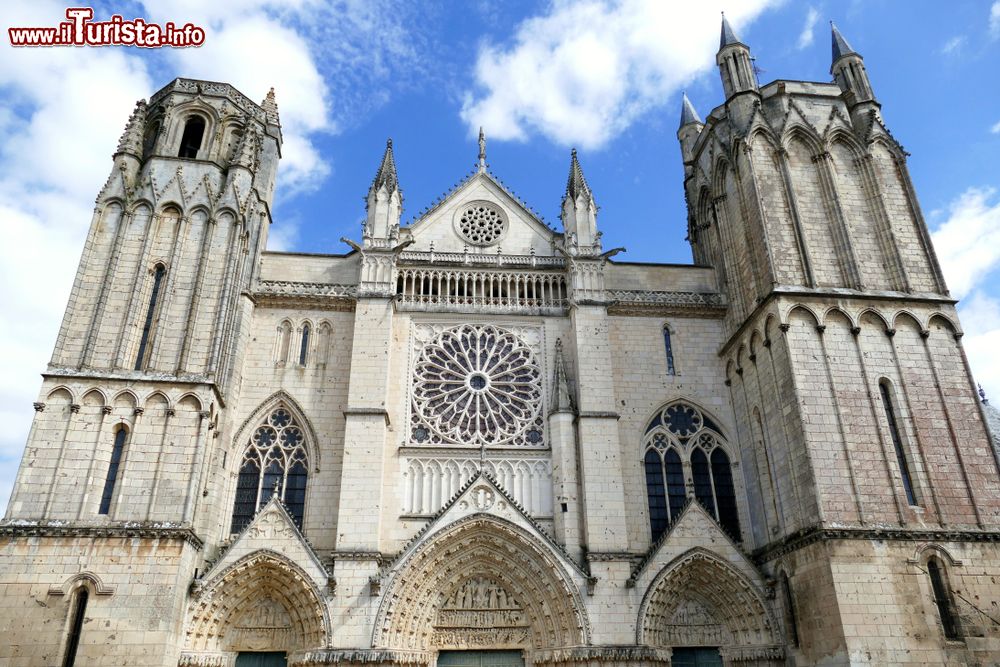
(272, 529)
(525, 230)
(694, 528)
(483, 495)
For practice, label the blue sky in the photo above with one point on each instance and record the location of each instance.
(605, 77)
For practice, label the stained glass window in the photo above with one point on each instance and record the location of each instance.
(682, 432)
(274, 462)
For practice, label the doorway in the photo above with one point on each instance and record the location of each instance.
(261, 660)
(696, 657)
(479, 659)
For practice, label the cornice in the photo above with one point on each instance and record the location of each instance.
(128, 530)
(816, 534)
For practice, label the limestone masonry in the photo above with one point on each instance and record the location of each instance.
(477, 441)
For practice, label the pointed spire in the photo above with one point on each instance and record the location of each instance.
(576, 184)
(245, 154)
(131, 139)
(270, 107)
(688, 113)
(728, 35)
(840, 46)
(562, 399)
(386, 174)
(482, 150)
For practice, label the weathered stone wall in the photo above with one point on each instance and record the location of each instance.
(136, 605)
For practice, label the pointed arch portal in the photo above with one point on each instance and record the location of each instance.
(480, 583)
(700, 600)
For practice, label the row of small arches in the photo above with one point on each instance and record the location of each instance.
(126, 398)
(901, 319)
(303, 344)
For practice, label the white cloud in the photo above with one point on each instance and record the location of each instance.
(996, 128)
(809, 29)
(583, 72)
(980, 315)
(995, 19)
(953, 45)
(968, 242)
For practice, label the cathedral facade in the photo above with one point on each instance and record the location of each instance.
(476, 440)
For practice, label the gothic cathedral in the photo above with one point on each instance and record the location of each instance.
(477, 441)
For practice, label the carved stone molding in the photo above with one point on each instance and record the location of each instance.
(700, 599)
(148, 530)
(480, 583)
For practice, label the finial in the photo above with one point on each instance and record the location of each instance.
(688, 113)
(728, 35)
(482, 150)
(576, 184)
(386, 174)
(840, 46)
(270, 106)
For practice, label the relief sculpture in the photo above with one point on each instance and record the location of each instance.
(480, 613)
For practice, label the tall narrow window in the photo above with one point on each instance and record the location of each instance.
(76, 627)
(304, 347)
(659, 518)
(147, 326)
(702, 480)
(668, 346)
(274, 463)
(791, 622)
(942, 598)
(149, 140)
(194, 129)
(897, 442)
(725, 493)
(116, 458)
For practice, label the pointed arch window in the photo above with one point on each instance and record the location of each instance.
(121, 434)
(668, 346)
(159, 271)
(194, 131)
(682, 433)
(304, 346)
(942, 597)
(79, 611)
(274, 462)
(897, 442)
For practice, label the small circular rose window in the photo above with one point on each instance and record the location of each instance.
(481, 223)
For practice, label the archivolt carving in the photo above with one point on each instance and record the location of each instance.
(261, 602)
(699, 599)
(480, 583)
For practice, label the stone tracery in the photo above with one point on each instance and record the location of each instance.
(477, 385)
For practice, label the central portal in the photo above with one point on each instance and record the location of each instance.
(480, 659)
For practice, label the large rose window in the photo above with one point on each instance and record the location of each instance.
(477, 385)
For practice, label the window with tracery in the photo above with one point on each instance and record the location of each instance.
(477, 385)
(274, 462)
(682, 434)
(482, 223)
